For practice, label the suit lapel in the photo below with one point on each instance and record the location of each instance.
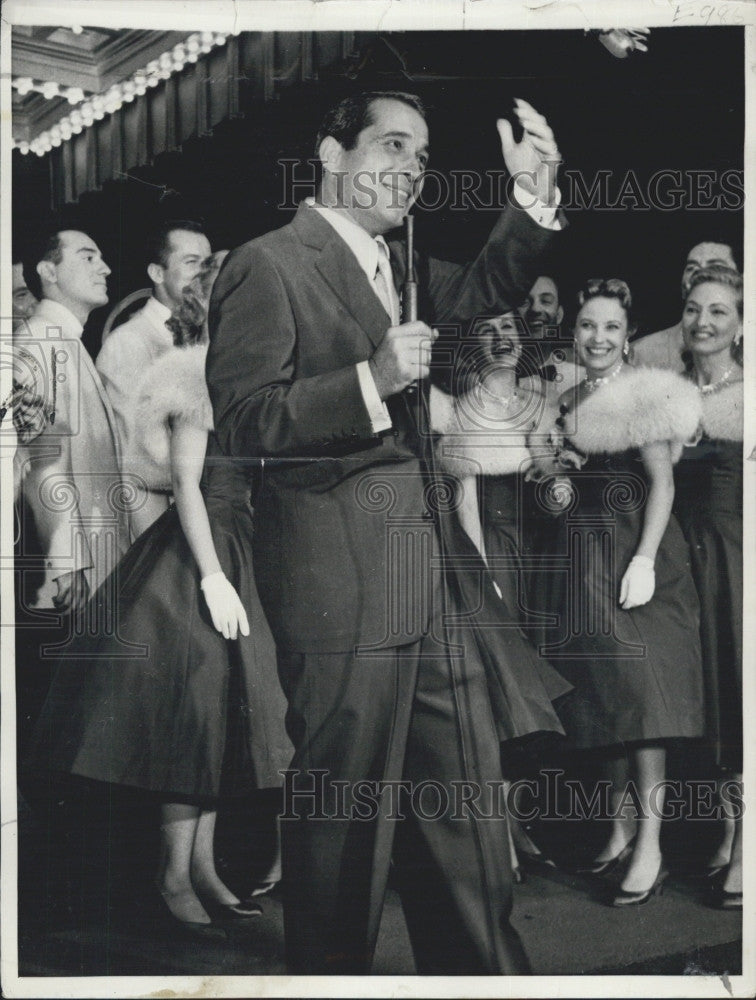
(338, 267)
(94, 377)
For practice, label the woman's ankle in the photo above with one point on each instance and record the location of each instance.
(208, 885)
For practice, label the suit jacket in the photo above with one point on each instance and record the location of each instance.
(660, 350)
(124, 358)
(69, 449)
(291, 314)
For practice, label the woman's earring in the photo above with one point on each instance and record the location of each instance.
(625, 349)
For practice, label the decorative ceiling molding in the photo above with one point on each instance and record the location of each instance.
(33, 114)
(48, 62)
(181, 93)
(43, 56)
(94, 108)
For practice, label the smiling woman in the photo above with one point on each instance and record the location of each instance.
(712, 324)
(602, 328)
(709, 504)
(629, 641)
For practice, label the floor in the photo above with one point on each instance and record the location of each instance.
(87, 906)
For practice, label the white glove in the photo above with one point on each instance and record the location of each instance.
(638, 583)
(561, 493)
(226, 609)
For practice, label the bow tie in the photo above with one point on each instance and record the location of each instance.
(548, 372)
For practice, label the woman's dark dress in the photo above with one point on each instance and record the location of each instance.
(512, 529)
(166, 703)
(636, 673)
(479, 439)
(709, 504)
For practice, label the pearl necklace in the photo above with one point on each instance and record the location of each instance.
(592, 384)
(706, 390)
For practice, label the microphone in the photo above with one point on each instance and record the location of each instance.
(409, 288)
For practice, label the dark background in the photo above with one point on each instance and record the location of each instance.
(679, 107)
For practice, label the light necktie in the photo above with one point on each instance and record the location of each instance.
(383, 283)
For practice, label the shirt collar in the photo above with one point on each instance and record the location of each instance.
(157, 314)
(361, 243)
(59, 315)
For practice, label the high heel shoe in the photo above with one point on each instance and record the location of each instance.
(604, 867)
(529, 854)
(624, 897)
(225, 913)
(192, 928)
(713, 871)
(261, 889)
(535, 862)
(722, 898)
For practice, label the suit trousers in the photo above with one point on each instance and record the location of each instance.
(388, 745)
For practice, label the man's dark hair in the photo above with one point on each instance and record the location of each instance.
(734, 246)
(159, 243)
(349, 117)
(551, 276)
(48, 246)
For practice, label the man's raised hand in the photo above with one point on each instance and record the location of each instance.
(402, 357)
(533, 161)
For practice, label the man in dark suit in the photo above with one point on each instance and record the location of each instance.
(309, 368)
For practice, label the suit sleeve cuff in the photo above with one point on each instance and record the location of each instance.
(376, 408)
(543, 215)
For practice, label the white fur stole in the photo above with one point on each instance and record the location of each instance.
(173, 389)
(723, 413)
(481, 433)
(641, 407)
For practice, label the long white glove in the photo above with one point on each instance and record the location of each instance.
(226, 610)
(638, 583)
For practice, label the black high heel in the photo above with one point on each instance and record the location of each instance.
(192, 928)
(261, 889)
(536, 862)
(625, 897)
(604, 867)
(530, 857)
(722, 898)
(225, 913)
(713, 871)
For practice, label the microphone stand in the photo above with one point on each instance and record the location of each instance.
(409, 288)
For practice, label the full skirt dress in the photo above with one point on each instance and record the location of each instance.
(636, 674)
(709, 504)
(158, 699)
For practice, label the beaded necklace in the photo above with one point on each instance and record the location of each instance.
(707, 390)
(592, 384)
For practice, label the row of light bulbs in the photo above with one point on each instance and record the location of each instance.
(96, 107)
(50, 89)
